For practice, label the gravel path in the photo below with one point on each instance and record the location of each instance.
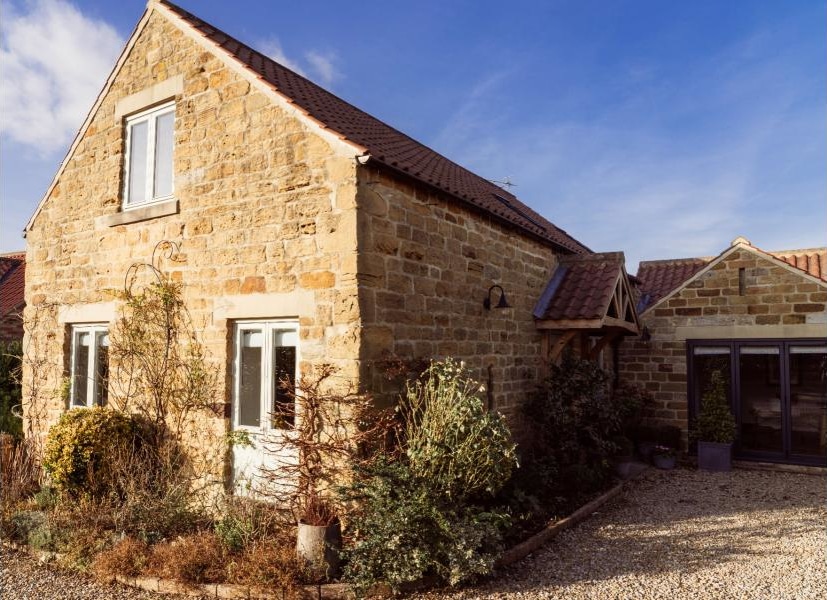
(685, 534)
(671, 535)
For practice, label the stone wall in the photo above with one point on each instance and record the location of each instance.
(265, 221)
(426, 264)
(775, 302)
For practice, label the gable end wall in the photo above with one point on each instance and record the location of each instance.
(777, 303)
(266, 221)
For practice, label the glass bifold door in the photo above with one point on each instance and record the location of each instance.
(777, 391)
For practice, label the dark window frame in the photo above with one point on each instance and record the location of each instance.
(734, 345)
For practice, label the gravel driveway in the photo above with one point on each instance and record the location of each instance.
(671, 534)
(685, 534)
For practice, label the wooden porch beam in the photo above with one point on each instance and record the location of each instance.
(560, 344)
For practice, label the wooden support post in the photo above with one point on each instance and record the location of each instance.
(601, 343)
(560, 344)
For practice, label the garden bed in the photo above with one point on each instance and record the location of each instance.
(333, 591)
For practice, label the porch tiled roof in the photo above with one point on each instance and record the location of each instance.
(582, 287)
(386, 145)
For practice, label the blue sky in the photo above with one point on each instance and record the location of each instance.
(664, 129)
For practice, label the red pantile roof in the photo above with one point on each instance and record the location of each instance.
(581, 287)
(812, 261)
(659, 278)
(386, 145)
(12, 281)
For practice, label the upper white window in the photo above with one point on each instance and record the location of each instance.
(90, 366)
(265, 374)
(149, 142)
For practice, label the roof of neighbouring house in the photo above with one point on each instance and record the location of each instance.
(659, 278)
(811, 260)
(12, 282)
(386, 145)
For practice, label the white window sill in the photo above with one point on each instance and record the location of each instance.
(133, 215)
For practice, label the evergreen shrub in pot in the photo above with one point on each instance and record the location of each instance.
(715, 427)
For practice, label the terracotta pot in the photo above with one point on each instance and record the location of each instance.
(713, 456)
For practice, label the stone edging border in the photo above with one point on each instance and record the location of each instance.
(336, 591)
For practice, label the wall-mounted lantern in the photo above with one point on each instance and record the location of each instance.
(503, 303)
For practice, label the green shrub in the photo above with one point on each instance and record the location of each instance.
(81, 448)
(46, 498)
(715, 422)
(404, 533)
(451, 441)
(575, 423)
(26, 523)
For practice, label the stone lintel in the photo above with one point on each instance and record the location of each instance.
(722, 332)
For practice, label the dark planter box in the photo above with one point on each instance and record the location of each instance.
(713, 456)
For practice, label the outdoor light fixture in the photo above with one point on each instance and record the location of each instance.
(503, 303)
(645, 336)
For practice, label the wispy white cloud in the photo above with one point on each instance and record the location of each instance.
(54, 62)
(316, 65)
(324, 65)
(272, 47)
(669, 163)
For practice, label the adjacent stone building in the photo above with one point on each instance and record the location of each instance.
(757, 317)
(308, 232)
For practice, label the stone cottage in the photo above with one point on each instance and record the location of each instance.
(758, 318)
(309, 231)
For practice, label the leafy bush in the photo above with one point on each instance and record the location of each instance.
(10, 396)
(715, 422)
(451, 441)
(633, 402)
(404, 533)
(81, 447)
(575, 424)
(31, 527)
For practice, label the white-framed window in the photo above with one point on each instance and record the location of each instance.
(266, 363)
(148, 174)
(89, 366)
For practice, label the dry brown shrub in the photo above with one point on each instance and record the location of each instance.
(270, 564)
(19, 470)
(128, 557)
(195, 558)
